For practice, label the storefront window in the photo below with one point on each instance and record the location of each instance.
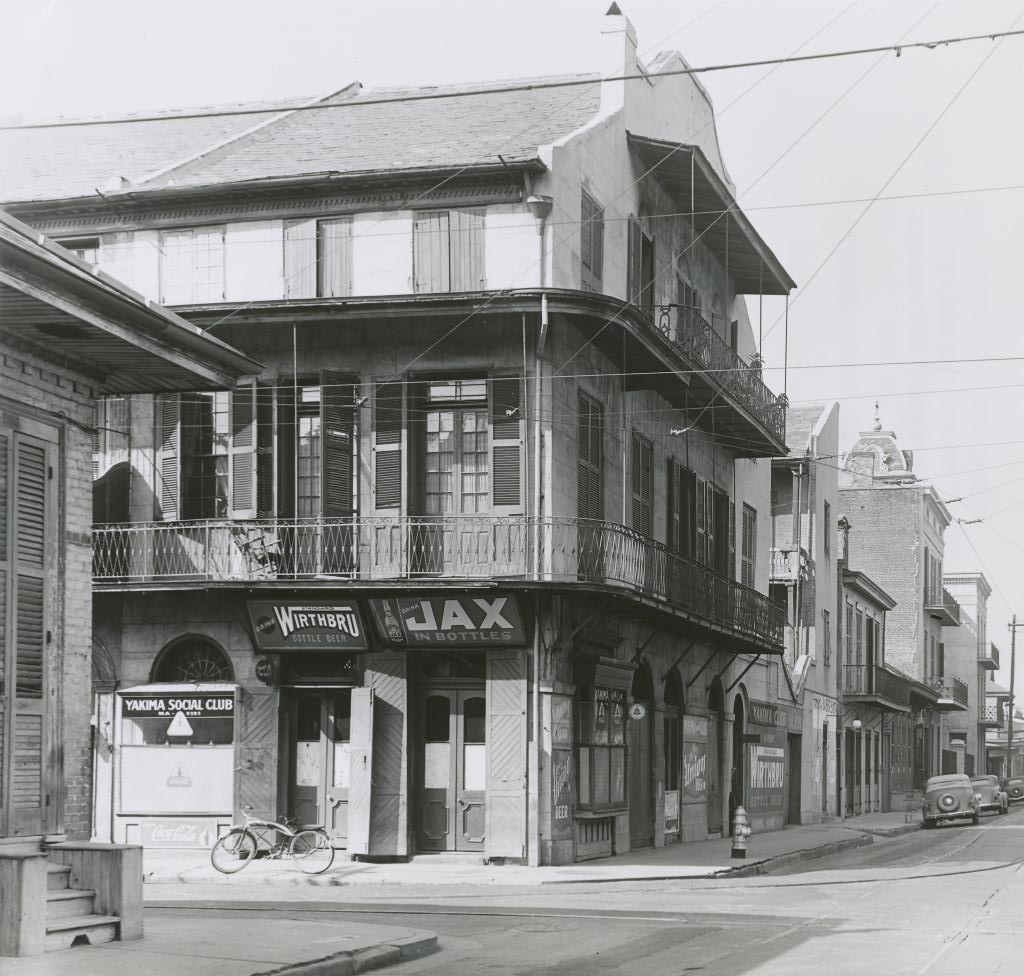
(601, 750)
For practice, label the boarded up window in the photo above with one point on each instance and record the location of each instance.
(448, 251)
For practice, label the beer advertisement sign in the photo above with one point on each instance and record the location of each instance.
(449, 621)
(307, 625)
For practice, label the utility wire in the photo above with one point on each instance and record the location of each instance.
(423, 96)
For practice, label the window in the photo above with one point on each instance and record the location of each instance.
(641, 265)
(205, 454)
(688, 298)
(448, 251)
(192, 265)
(590, 489)
(681, 493)
(192, 659)
(86, 248)
(601, 749)
(827, 518)
(642, 484)
(456, 450)
(860, 638)
(749, 542)
(591, 243)
(849, 635)
(826, 627)
(318, 258)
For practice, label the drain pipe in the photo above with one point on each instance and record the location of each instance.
(540, 207)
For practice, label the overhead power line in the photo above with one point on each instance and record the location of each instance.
(425, 96)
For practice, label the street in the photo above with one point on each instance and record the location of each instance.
(934, 902)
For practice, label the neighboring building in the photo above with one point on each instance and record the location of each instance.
(996, 720)
(479, 561)
(67, 336)
(900, 524)
(804, 499)
(969, 652)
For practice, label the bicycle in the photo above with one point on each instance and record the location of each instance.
(308, 846)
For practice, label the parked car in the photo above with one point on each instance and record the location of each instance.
(989, 794)
(949, 797)
(1014, 787)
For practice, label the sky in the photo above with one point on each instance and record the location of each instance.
(926, 272)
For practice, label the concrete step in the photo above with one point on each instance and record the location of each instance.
(64, 933)
(57, 876)
(72, 903)
(464, 858)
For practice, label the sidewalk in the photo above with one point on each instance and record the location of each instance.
(702, 859)
(173, 946)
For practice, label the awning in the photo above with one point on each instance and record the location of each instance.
(685, 172)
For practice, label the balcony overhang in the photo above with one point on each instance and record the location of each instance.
(946, 610)
(879, 702)
(692, 181)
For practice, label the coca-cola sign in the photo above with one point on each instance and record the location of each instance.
(178, 833)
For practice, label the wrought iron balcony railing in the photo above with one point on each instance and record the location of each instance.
(988, 658)
(950, 688)
(558, 550)
(943, 605)
(874, 681)
(992, 716)
(790, 563)
(731, 375)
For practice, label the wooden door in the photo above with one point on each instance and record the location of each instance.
(714, 771)
(306, 768)
(338, 707)
(641, 814)
(454, 771)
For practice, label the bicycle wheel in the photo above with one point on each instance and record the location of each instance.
(312, 851)
(233, 851)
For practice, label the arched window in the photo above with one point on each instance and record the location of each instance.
(192, 659)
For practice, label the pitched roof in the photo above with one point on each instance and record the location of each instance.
(356, 134)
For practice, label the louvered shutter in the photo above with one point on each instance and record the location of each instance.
(507, 442)
(336, 422)
(300, 274)
(634, 263)
(430, 252)
(701, 512)
(642, 485)
(466, 229)
(243, 450)
(586, 245)
(265, 507)
(591, 243)
(589, 474)
(597, 245)
(674, 493)
(387, 446)
(506, 754)
(170, 455)
(336, 257)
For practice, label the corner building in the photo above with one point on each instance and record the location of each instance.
(479, 561)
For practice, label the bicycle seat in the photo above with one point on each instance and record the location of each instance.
(299, 827)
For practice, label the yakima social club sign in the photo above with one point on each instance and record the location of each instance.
(449, 621)
(166, 706)
(290, 625)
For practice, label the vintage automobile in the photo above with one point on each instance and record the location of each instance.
(989, 794)
(1014, 787)
(949, 797)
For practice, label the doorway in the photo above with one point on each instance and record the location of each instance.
(641, 807)
(794, 750)
(319, 734)
(715, 775)
(739, 767)
(453, 770)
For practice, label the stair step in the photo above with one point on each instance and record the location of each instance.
(63, 933)
(70, 903)
(57, 876)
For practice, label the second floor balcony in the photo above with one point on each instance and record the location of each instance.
(988, 658)
(876, 685)
(991, 716)
(941, 605)
(562, 553)
(789, 564)
(952, 692)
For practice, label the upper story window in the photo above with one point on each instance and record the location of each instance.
(591, 243)
(205, 454)
(687, 297)
(86, 248)
(749, 551)
(681, 494)
(192, 265)
(641, 264)
(643, 484)
(448, 251)
(827, 520)
(318, 258)
(590, 459)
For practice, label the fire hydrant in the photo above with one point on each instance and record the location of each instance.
(740, 832)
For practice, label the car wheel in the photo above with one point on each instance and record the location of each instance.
(929, 824)
(976, 819)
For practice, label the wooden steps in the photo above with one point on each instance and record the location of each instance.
(70, 918)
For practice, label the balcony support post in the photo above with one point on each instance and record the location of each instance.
(703, 668)
(679, 659)
(643, 647)
(757, 657)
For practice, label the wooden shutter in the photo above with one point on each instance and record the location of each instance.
(591, 243)
(243, 450)
(256, 778)
(634, 262)
(430, 254)
(507, 442)
(265, 507)
(300, 265)
(589, 459)
(336, 257)
(673, 511)
(389, 800)
(748, 543)
(702, 522)
(387, 445)
(336, 422)
(360, 790)
(170, 455)
(466, 230)
(643, 494)
(506, 754)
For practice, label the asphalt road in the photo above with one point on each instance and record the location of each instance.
(929, 903)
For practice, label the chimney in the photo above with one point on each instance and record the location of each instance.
(844, 543)
(618, 58)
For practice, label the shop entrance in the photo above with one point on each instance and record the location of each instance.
(319, 731)
(453, 770)
(641, 808)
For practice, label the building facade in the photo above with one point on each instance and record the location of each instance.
(479, 560)
(804, 500)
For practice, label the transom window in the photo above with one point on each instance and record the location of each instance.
(192, 659)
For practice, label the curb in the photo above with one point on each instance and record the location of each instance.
(353, 961)
(795, 857)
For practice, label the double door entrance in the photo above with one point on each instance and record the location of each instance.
(452, 770)
(320, 727)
